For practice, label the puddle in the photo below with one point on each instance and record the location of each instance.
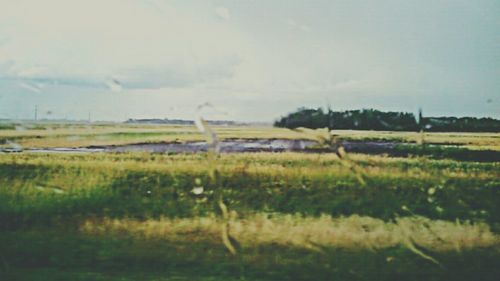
(226, 146)
(66, 150)
(394, 149)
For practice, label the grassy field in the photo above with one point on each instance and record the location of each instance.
(79, 135)
(247, 216)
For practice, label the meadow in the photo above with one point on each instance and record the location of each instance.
(246, 216)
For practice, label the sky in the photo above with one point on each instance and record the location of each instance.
(252, 60)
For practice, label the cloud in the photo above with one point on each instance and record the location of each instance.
(273, 58)
(177, 75)
(151, 44)
(33, 88)
(296, 26)
(223, 13)
(149, 77)
(305, 28)
(33, 71)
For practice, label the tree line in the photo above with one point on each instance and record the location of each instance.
(372, 119)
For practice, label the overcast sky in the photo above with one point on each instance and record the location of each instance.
(253, 60)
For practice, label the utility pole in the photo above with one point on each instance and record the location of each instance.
(330, 115)
(420, 119)
(421, 124)
(89, 117)
(36, 113)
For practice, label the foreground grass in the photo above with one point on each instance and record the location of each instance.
(148, 251)
(292, 216)
(354, 232)
(37, 186)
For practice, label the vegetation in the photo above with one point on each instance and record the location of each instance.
(287, 216)
(370, 119)
(101, 212)
(46, 135)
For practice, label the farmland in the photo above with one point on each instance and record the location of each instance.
(432, 214)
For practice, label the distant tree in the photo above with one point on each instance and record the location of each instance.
(371, 119)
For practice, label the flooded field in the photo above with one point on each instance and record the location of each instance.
(236, 145)
(226, 146)
(152, 197)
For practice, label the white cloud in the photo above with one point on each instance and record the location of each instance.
(223, 13)
(273, 58)
(33, 71)
(93, 40)
(297, 26)
(33, 88)
(305, 28)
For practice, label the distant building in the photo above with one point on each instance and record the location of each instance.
(182, 122)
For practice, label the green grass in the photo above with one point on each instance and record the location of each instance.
(81, 135)
(141, 185)
(292, 216)
(447, 152)
(57, 255)
(87, 217)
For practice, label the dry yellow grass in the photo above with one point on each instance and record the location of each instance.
(352, 232)
(249, 164)
(107, 134)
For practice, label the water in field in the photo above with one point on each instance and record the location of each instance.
(389, 148)
(227, 146)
